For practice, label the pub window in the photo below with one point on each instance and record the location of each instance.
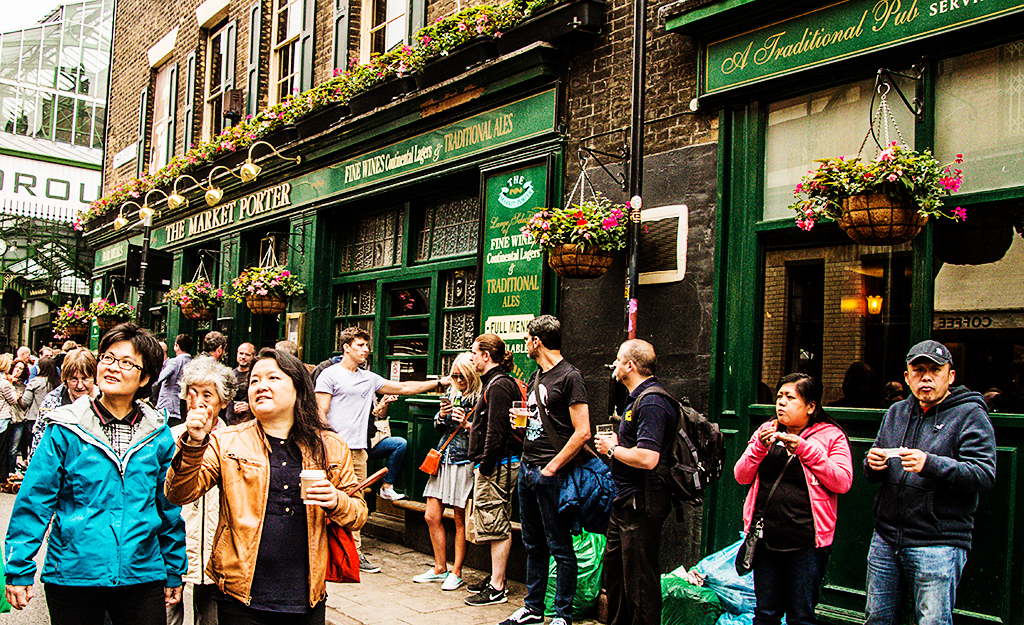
(459, 314)
(354, 305)
(220, 60)
(407, 326)
(450, 227)
(373, 243)
(162, 137)
(840, 313)
(385, 26)
(286, 55)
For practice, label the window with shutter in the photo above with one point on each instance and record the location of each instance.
(285, 66)
(190, 101)
(220, 75)
(164, 109)
(387, 24)
(252, 66)
(140, 149)
(339, 38)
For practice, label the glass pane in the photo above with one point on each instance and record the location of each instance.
(411, 370)
(979, 112)
(407, 347)
(373, 244)
(460, 288)
(459, 330)
(65, 118)
(99, 113)
(979, 308)
(83, 125)
(839, 313)
(396, 23)
(827, 123)
(10, 55)
(411, 326)
(30, 48)
(410, 302)
(50, 56)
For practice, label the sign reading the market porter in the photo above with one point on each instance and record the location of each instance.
(838, 31)
(513, 267)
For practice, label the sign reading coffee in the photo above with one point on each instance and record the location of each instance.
(838, 31)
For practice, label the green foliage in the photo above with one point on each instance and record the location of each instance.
(274, 281)
(199, 294)
(593, 223)
(104, 308)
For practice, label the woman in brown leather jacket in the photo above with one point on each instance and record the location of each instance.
(270, 551)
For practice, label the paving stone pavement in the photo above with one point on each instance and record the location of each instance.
(391, 597)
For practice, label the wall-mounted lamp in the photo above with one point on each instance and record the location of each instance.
(250, 169)
(120, 221)
(176, 199)
(874, 304)
(146, 212)
(214, 194)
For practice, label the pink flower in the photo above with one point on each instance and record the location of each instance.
(960, 214)
(261, 292)
(959, 158)
(462, 26)
(884, 155)
(285, 273)
(893, 177)
(805, 224)
(609, 223)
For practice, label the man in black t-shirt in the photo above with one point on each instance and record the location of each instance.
(557, 428)
(631, 571)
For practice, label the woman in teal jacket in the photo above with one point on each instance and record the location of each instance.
(117, 546)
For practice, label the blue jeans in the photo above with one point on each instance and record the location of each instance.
(546, 535)
(930, 573)
(788, 582)
(392, 448)
(18, 434)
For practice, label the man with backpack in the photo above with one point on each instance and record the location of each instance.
(495, 453)
(643, 443)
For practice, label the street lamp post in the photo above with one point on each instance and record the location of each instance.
(636, 160)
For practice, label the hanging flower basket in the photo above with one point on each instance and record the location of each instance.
(72, 322)
(266, 304)
(571, 261)
(109, 313)
(980, 241)
(106, 324)
(877, 219)
(200, 314)
(76, 332)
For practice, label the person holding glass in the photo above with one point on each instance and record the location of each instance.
(453, 484)
(804, 456)
(78, 379)
(116, 545)
(270, 555)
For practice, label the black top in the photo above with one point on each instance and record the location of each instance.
(280, 582)
(560, 387)
(490, 437)
(788, 523)
(241, 394)
(650, 426)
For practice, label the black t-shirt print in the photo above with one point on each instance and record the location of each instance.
(560, 387)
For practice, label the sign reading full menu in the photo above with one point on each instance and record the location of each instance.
(837, 31)
(513, 271)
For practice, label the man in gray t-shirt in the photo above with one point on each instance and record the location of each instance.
(345, 394)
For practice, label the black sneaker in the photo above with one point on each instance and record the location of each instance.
(476, 587)
(523, 616)
(490, 596)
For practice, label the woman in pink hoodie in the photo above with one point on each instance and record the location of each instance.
(812, 454)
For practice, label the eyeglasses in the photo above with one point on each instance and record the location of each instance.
(124, 363)
(457, 376)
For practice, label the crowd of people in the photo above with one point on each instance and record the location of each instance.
(151, 470)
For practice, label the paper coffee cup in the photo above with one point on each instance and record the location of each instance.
(306, 478)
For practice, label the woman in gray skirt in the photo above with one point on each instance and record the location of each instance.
(453, 484)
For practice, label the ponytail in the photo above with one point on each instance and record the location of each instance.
(495, 347)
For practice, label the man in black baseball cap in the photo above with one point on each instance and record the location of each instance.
(935, 451)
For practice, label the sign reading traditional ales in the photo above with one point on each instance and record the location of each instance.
(513, 267)
(838, 31)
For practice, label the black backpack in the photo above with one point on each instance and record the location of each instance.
(698, 452)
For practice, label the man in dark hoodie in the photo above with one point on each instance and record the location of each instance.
(935, 451)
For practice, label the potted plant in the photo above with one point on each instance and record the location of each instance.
(881, 202)
(109, 314)
(386, 77)
(198, 299)
(266, 290)
(72, 322)
(456, 43)
(581, 239)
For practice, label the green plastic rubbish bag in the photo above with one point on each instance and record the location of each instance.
(682, 603)
(589, 560)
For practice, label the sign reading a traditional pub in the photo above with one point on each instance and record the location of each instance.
(838, 31)
(512, 291)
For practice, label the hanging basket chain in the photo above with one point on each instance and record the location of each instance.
(581, 183)
(268, 259)
(883, 115)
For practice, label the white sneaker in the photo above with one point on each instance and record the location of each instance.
(389, 493)
(431, 576)
(452, 582)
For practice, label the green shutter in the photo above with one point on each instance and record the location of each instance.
(306, 45)
(339, 39)
(140, 153)
(172, 113)
(190, 101)
(229, 45)
(252, 67)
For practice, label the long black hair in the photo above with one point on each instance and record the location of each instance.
(810, 390)
(308, 427)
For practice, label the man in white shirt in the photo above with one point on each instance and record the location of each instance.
(345, 394)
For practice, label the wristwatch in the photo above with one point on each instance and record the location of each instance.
(611, 451)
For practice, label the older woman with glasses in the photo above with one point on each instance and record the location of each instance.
(453, 484)
(116, 545)
(78, 379)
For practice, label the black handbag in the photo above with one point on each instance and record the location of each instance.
(745, 556)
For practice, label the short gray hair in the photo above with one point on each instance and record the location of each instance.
(206, 370)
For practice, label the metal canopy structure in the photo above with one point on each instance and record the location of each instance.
(45, 252)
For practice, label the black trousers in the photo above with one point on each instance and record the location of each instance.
(140, 604)
(231, 612)
(632, 575)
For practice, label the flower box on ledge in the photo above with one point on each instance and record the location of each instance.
(480, 50)
(565, 23)
(381, 94)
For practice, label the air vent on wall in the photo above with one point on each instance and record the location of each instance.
(663, 244)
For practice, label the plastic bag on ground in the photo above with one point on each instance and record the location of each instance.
(682, 603)
(747, 618)
(589, 560)
(735, 592)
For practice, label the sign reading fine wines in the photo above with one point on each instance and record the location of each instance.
(838, 31)
(513, 265)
